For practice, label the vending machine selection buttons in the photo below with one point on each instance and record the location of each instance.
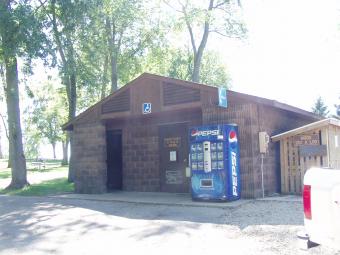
(214, 165)
(194, 166)
(193, 148)
(193, 156)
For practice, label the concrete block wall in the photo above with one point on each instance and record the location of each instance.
(89, 152)
(141, 158)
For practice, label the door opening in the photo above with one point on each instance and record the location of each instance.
(114, 160)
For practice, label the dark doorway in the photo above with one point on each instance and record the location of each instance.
(114, 159)
(173, 144)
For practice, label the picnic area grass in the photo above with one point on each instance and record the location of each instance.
(50, 187)
(52, 165)
(43, 188)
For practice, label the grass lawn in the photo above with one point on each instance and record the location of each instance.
(5, 173)
(50, 187)
(55, 185)
(51, 166)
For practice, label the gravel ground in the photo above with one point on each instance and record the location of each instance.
(45, 225)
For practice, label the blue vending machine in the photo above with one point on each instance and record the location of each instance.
(214, 163)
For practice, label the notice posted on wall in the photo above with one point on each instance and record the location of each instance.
(173, 156)
(173, 177)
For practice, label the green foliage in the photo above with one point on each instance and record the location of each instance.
(122, 31)
(45, 117)
(320, 108)
(51, 187)
(213, 71)
(200, 19)
(32, 139)
(22, 33)
(177, 63)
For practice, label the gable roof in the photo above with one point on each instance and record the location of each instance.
(306, 128)
(195, 85)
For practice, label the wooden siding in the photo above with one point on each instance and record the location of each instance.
(119, 103)
(175, 94)
(294, 165)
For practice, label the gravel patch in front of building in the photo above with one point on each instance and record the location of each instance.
(44, 225)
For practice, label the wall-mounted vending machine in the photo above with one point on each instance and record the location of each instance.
(214, 163)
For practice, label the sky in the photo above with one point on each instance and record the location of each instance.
(292, 53)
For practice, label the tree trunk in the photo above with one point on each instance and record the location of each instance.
(114, 76)
(9, 164)
(16, 153)
(1, 154)
(198, 53)
(104, 78)
(111, 37)
(197, 66)
(64, 162)
(72, 113)
(53, 147)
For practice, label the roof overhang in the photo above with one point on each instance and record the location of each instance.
(306, 128)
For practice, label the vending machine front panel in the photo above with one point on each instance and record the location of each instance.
(214, 163)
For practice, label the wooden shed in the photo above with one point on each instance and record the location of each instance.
(313, 145)
(122, 142)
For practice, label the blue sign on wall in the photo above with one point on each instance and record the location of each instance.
(222, 97)
(146, 108)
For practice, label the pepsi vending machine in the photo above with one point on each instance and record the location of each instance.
(214, 163)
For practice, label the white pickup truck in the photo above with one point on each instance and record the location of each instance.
(321, 202)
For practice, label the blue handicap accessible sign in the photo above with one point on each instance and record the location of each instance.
(146, 108)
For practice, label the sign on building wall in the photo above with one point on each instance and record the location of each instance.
(312, 139)
(312, 150)
(146, 108)
(173, 177)
(222, 97)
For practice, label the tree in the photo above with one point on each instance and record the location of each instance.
(320, 108)
(121, 32)
(66, 18)
(177, 63)
(204, 17)
(3, 81)
(46, 115)
(1, 153)
(20, 36)
(337, 111)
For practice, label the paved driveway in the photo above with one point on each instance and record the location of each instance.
(43, 225)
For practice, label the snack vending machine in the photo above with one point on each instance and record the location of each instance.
(214, 163)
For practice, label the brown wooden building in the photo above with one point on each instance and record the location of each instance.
(117, 146)
(314, 145)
